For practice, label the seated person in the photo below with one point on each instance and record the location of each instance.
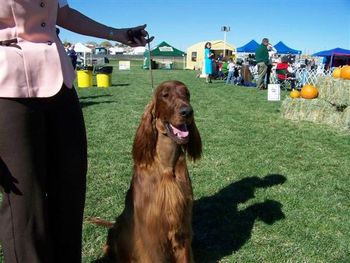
(224, 68)
(246, 75)
(237, 74)
(283, 73)
(220, 72)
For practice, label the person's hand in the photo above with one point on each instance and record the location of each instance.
(133, 37)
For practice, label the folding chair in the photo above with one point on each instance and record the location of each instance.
(286, 81)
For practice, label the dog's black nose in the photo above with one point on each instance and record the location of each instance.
(186, 111)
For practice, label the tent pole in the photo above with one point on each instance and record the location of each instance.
(331, 62)
(184, 61)
(150, 62)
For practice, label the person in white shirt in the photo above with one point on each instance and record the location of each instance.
(272, 51)
(231, 70)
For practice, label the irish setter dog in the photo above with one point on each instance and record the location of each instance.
(155, 226)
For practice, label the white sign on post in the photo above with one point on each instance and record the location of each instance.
(274, 92)
(124, 65)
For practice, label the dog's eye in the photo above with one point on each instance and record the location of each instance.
(165, 95)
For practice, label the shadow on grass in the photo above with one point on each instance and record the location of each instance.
(86, 101)
(94, 96)
(84, 104)
(120, 85)
(220, 228)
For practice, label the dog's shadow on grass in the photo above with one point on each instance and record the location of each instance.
(221, 228)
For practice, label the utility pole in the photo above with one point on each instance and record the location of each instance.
(225, 29)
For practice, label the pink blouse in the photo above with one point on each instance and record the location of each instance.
(40, 66)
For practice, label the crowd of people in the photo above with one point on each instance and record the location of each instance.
(232, 71)
(256, 69)
(235, 71)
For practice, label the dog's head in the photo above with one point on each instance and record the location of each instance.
(172, 111)
(169, 113)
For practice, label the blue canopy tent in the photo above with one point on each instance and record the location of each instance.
(283, 49)
(335, 57)
(250, 47)
(333, 52)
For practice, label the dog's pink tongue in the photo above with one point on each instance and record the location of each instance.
(180, 133)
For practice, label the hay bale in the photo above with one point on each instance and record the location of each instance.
(335, 91)
(346, 118)
(315, 110)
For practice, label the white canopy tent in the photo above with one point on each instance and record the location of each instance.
(136, 51)
(116, 50)
(81, 48)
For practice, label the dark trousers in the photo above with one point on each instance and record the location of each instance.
(268, 74)
(43, 163)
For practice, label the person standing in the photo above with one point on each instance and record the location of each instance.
(208, 62)
(43, 147)
(231, 70)
(72, 54)
(262, 60)
(272, 51)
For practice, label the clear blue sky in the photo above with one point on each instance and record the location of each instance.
(307, 25)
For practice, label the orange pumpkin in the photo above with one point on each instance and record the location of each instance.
(309, 92)
(336, 73)
(345, 72)
(294, 94)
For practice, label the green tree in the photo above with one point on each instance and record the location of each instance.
(93, 43)
(106, 44)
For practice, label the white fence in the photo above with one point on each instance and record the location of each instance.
(303, 76)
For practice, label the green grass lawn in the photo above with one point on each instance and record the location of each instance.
(266, 189)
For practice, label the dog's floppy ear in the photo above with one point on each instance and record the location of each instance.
(144, 147)
(194, 145)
